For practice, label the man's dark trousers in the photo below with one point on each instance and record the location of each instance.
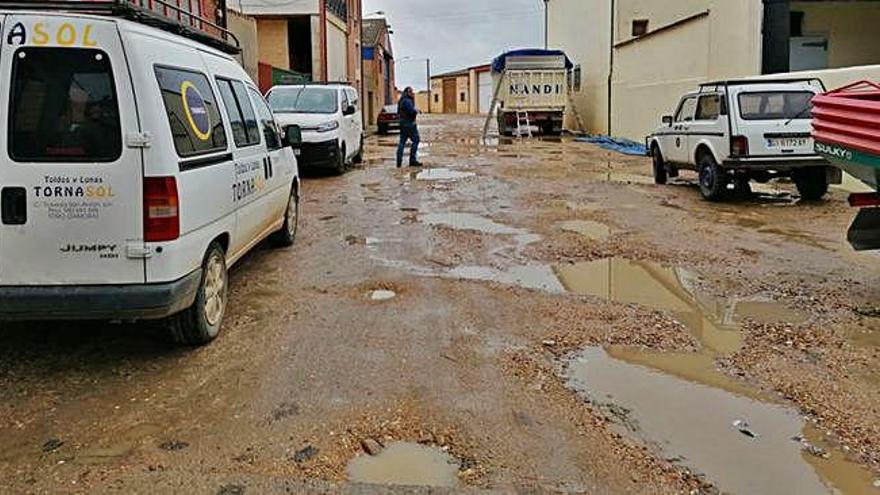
(408, 131)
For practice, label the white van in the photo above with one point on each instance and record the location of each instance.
(137, 166)
(330, 117)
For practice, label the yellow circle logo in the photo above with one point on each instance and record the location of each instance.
(196, 111)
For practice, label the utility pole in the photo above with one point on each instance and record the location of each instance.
(430, 98)
(546, 24)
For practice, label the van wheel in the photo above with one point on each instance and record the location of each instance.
(359, 158)
(287, 234)
(713, 181)
(200, 323)
(812, 183)
(660, 175)
(340, 161)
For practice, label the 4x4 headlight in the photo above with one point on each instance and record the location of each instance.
(327, 127)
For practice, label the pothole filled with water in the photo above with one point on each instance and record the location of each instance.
(406, 464)
(443, 174)
(382, 295)
(468, 221)
(537, 277)
(741, 444)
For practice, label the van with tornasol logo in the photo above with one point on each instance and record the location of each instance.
(137, 167)
(329, 115)
(733, 132)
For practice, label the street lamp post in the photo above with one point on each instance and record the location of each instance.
(428, 72)
(546, 24)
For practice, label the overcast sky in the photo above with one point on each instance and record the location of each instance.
(456, 34)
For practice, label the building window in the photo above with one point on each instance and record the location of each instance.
(339, 8)
(462, 97)
(640, 27)
(436, 98)
(576, 78)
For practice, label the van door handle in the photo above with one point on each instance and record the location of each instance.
(13, 205)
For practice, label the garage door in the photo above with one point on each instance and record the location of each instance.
(487, 91)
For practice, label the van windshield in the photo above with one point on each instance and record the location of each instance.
(776, 105)
(63, 107)
(303, 100)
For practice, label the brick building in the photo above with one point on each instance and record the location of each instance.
(378, 68)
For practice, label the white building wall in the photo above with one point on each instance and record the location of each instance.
(337, 53)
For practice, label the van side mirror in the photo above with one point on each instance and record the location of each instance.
(667, 119)
(351, 110)
(292, 136)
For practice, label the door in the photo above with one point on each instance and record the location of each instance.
(486, 91)
(709, 124)
(356, 122)
(450, 96)
(808, 53)
(71, 171)
(272, 199)
(681, 125)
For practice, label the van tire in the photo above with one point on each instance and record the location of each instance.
(287, 235)
(713, 181)
(340, 161)
(812, 183)
(359, 158)
(660, 172)
(198, 325)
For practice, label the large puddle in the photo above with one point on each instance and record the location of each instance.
(741, 444)
(406, 464)
(537, 277)
(468, 221)
(443, 174)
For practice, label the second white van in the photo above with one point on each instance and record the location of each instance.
(138, 166)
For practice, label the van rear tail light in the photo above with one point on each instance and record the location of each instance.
(739, 146)
(161, 209)
(864, 200)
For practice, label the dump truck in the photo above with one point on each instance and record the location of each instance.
(531, 91)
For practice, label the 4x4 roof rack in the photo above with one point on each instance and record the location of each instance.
(741, 82)
(183, 23)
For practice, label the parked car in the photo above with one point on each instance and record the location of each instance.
(138, 166)
(330, 118)
(733, 132)
(388, 119)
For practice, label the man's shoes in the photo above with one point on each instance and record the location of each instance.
(415, 164)
(399, 165)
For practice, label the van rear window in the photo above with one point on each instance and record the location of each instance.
(192, 112)
(63, 107)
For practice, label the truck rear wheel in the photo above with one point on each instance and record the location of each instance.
(200, 323)
(713, 181)
(812, 183)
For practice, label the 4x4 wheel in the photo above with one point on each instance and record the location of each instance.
(200, 323)
(287, 235)
(340, 161)
(812, 183)
(713, 180)
(660, 174)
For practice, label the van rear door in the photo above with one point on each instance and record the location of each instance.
(71, 188)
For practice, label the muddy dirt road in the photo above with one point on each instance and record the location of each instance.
(517, 316)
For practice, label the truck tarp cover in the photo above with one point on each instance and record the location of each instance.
(499, 64)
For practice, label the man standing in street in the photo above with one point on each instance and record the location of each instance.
(409, 130)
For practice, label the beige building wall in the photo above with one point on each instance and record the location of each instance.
(337, 50)
(272, 41)
(462, 84)
(852, 30)
(422, 101)
(245, 29)
(474, 94)
(437, 95)
(587, 44)
(317, 43)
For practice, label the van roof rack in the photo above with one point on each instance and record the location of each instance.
(184, 22)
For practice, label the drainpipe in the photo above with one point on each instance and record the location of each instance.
(611, 64)
(546, 24)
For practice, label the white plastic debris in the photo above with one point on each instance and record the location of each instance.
(744, 428)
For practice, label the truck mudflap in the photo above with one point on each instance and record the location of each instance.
(864, 234)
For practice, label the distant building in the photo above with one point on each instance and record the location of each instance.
(378, 68)
(302, 40)
(635, 58)
(464, 91)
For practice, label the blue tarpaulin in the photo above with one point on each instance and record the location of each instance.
(501, 61)
(621, 145)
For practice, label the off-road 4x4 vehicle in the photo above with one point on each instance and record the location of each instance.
(733, 132)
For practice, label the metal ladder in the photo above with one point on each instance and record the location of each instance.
(522, 117)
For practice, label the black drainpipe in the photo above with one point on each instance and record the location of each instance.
(611, 63)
